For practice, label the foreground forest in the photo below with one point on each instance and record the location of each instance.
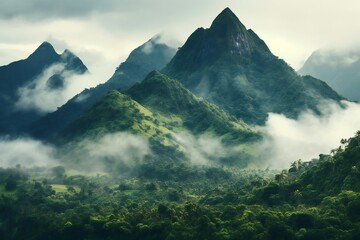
(311, 200)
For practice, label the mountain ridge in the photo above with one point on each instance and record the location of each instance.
(237, 71)
(134, 69)
(339, 69)
(168, 97)
(22, 73)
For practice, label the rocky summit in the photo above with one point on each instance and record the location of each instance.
(232, 67)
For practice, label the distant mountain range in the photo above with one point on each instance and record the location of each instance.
(221, 81)
(341, 70)
(22, 73)
(150, 56)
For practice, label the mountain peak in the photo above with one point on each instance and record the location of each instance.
(154, 73)
(73, 62)
(44, 51)
(227, 21)
(232, 67)
(157, 81)
(46, 46)
(226, 40)
(161, 93)
(67, 54)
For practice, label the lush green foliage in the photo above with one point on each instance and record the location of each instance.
(163, 110)
(169, 98)
(213, 203)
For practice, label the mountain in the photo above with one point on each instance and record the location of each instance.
(149, 56)
(232, 67)
(169, 116)
(158, 103)
(23, 73)
(152, 55)
(115, 112)
(168, 97)
(338, 69)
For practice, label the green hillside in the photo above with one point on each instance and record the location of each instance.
(169, 117)
(336, 172)
(169, 98)
(116, 112)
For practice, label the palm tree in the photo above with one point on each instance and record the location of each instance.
(357, 133)
(294, 165)
(297, 164)
(280, 177)
(333, 152)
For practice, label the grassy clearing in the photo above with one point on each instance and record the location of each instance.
(60, 188)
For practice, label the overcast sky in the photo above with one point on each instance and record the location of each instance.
(103, 32)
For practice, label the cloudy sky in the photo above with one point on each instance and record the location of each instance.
(103, 32)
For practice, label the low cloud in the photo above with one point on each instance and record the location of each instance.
(40, 96)
(287, 139)
(200, 150)
(37, 95)
(110, 152)
(26, 152)
(335, 57)
(207, 150)
(148, 47)
(161, 38)
(116, 152)
(128, 148)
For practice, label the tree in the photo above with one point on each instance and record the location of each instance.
(357, 134)
(297, 164)
(280, 177)
(58, 171)
(11, 183)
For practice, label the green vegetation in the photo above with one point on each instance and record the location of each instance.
(157, 162)
(166, 115)
(114, 113)
(232, 67)
(315, 200)
(167, 97)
